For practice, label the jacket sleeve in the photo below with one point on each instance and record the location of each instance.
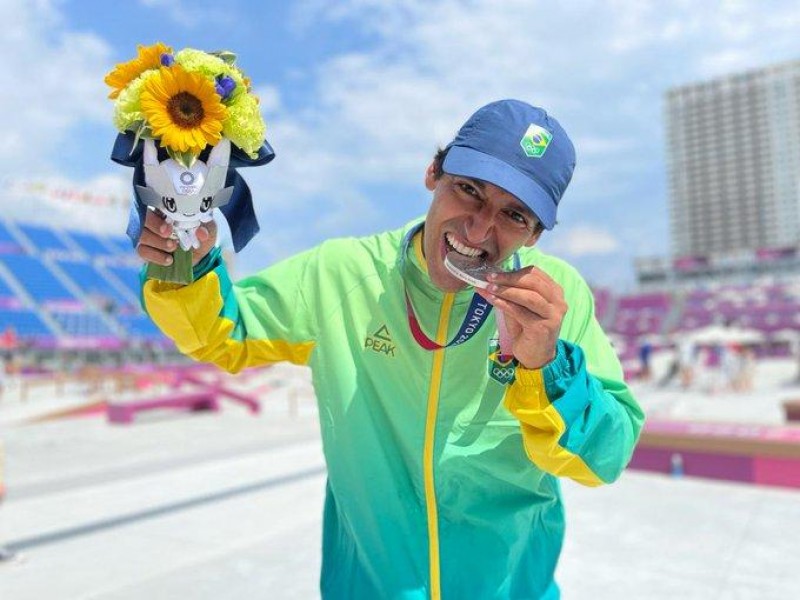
(260, 320)
(578, 417)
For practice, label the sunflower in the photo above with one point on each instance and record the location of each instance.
(148, 57)
(183, 109)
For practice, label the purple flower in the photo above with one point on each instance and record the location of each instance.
(225, 86)
(167, 60)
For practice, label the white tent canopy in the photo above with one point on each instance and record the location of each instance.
(718, 334)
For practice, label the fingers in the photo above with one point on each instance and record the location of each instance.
(155, 241)
(206, 236)
(532, 289)
(528, 299)
(203, 233)
(156, 222)
(155, 244)
(152, 255)
(530, 278)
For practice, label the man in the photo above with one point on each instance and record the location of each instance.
(441, 455)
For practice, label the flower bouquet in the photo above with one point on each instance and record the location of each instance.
(187, 120)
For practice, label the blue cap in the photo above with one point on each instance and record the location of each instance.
(519, 148)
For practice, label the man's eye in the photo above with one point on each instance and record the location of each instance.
(468, 189)
(517, 217)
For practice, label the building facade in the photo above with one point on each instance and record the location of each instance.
(733, 150)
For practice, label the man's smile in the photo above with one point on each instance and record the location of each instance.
(453, 244)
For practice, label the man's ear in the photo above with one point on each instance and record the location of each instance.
(533, 239)
(430, 177)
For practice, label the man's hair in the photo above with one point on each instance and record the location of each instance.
(438, 171)
(438, 161)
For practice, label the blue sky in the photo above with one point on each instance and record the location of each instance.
(357, 95)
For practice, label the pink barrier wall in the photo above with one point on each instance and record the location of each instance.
(760, 454)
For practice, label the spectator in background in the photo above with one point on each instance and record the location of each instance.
(645, 350)
(686, 360)
(747, 368)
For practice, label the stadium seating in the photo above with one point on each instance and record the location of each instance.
(8, 244)
(768, 307)
(5, 291)
(95, 285)
(128, 276)
(93, 245)
(139, 326)
(25, 323)
(36, 278)
(43, 238)
(642, 314)
(82, 324)
(75, 287)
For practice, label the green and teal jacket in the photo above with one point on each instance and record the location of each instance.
(442, 481)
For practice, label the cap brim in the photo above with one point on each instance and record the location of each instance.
(467, 162)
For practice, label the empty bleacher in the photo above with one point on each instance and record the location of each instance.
(93, 245)
(126, 275)
(66, 287)
(641, 314)
(120, 244)
(6, 294)
(82, 324)
(768, 307)
(95, 285)
(37, 279)
(24, 323)
(8, 244)
(139, 326)
(43, 238)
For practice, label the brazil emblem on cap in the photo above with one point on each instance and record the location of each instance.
(535, 141)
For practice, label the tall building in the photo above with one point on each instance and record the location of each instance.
(733, 150)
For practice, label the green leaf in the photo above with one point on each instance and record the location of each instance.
(142, 131)
(185, 159)
(226, 55)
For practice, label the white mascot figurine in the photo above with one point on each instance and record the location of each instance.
(187, 196)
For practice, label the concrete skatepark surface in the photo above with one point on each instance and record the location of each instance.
(229, 505)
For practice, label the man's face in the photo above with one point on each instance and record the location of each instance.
(473, 218)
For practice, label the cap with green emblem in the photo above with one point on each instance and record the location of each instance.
(518, 147)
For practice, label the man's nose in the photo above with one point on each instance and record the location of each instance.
(479, 225)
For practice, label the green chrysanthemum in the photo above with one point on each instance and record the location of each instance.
(244, 125)
(197, 61)
(128, 107)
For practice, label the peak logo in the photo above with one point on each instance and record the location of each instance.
(381, 342)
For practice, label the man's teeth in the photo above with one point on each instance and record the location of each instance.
(461, 248)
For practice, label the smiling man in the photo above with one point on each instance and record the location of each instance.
(444, 426)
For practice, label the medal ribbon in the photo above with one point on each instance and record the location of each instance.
(477, 313)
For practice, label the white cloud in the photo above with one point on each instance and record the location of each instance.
(269, 98)
(583, 240)
(54, 83)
